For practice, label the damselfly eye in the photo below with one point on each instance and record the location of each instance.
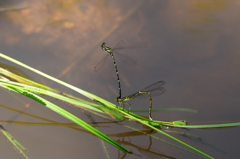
(103, 44)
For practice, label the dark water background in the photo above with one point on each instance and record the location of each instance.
(192, 45)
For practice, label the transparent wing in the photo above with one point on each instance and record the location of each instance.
(154, 89)
(121, 45)
(153, 86)
(102, 63)
(158, 92)
(126, 59)
(153, 93)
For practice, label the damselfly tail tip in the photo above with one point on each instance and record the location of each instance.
(95, 69)
(134, 63)
(163, 82)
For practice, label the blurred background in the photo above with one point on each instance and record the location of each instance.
(191, 45)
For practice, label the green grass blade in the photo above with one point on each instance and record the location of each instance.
(68, 116)
(227, 125)
(15, 143)
(167, 109)
(126, 113)
(78, 103)
(130, 116)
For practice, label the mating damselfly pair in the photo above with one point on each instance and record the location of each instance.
(155, 87)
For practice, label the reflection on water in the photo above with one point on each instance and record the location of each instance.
(193, 45)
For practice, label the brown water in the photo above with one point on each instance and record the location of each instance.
(192, 45)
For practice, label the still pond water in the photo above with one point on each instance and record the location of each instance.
(192, 45)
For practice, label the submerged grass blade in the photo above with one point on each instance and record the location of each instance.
(178, 141)
(15, 143)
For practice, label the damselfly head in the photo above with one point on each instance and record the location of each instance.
(103, 45)
(105, 48)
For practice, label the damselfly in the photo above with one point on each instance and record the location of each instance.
(153, 88)
(110, 53)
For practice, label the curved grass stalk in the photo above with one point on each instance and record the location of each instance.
(66, 115)
(18, 87)
(111, 106)
(15, 143)
(166, 109)
(79, 103)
